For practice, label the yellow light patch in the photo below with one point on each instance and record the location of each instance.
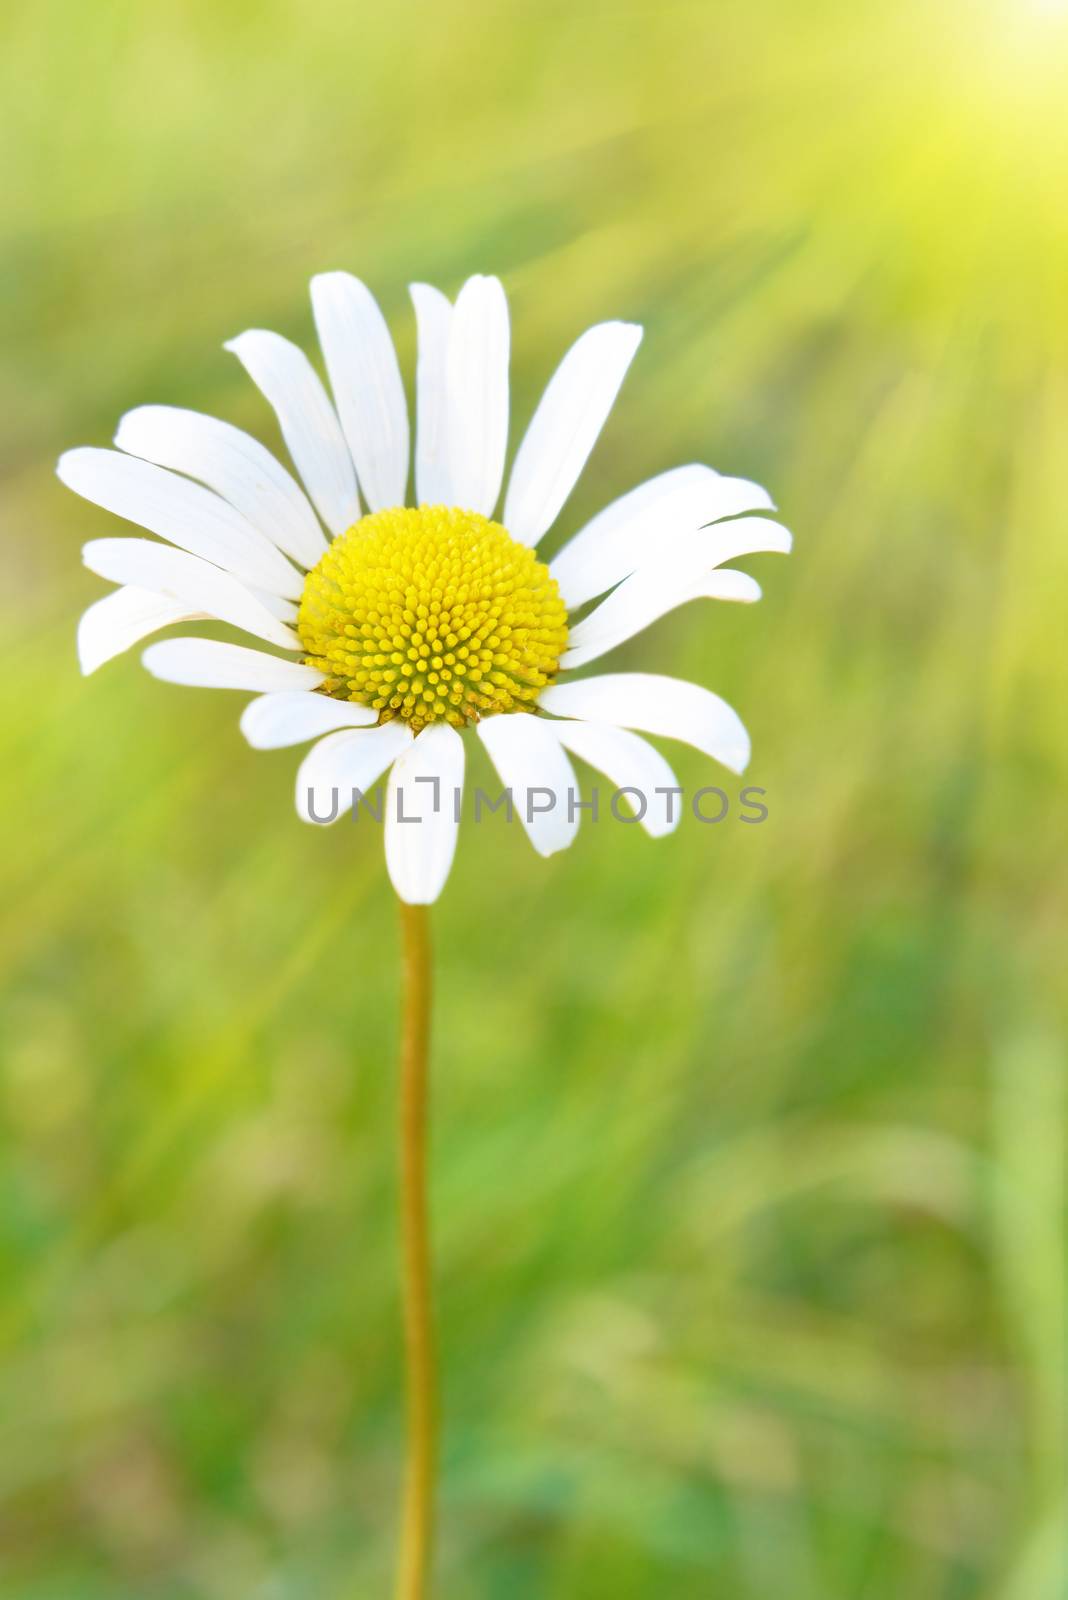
(432, 614)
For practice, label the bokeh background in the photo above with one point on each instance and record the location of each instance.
(749, 1162)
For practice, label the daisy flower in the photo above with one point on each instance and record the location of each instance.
(391, 628)
(393, 623)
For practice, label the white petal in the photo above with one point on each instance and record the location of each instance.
(425, 788)
(209, 664)
(232, 463)
(654, 704)
(726, 541)
(639, 525)
(294, 716)
(283, 610)
(526, 751)
(344, 765)
(640, 599)
(184, 513)
(179, 576)
(565, 426)
(433, 314)
(726, 583)
(629, 763)
(286, 378)
(477, 388)
(113, 624)
(367, 386)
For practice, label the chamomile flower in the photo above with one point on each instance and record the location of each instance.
(393, 624)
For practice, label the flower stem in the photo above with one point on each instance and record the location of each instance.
(417, 1525)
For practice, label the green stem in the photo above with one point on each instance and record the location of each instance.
(417, 1522)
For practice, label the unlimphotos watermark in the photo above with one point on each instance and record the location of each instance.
(627, 805)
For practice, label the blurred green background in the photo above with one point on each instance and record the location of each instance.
(749, 1163)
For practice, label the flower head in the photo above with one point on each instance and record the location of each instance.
(432, 614)
(402, 625)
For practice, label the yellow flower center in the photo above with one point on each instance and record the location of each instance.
(432, 614)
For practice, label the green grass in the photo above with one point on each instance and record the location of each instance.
(749, 1160)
